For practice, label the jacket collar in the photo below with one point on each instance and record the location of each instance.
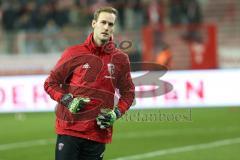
(107, 48)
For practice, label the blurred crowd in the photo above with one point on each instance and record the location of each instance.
(34, 26)
(31, 15)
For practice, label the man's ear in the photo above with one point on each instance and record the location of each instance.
(94, 23)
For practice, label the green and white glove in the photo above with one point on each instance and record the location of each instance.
(74, 104)
(107, 117)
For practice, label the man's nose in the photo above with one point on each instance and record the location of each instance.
(106, 27)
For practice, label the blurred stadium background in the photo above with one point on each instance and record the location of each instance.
(198, 41)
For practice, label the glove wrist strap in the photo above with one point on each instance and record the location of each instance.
(117, 112)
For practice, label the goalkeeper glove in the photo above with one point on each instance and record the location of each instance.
(74, 104)
(107, 117)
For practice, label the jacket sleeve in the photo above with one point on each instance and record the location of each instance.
(126, 87)
(54, 84)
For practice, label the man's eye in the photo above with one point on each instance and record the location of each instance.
(103, 22)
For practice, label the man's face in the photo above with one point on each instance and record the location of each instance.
(103, 27)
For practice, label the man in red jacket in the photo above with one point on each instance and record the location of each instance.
(83, 82)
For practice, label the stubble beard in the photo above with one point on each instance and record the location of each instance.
(104, 41)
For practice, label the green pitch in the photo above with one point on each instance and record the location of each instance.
(169, 134)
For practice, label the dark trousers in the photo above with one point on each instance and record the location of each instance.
(74, 148)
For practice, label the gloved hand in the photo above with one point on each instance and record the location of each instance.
(107, 117)
(74, 104)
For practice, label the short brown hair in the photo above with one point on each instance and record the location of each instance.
(105, 9)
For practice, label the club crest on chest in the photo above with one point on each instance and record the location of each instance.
(111, 71)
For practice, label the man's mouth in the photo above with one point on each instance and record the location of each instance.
(106, 34)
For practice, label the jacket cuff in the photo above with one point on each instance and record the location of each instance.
(58, 96)
(122, 106)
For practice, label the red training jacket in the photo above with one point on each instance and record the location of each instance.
(89, 71)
